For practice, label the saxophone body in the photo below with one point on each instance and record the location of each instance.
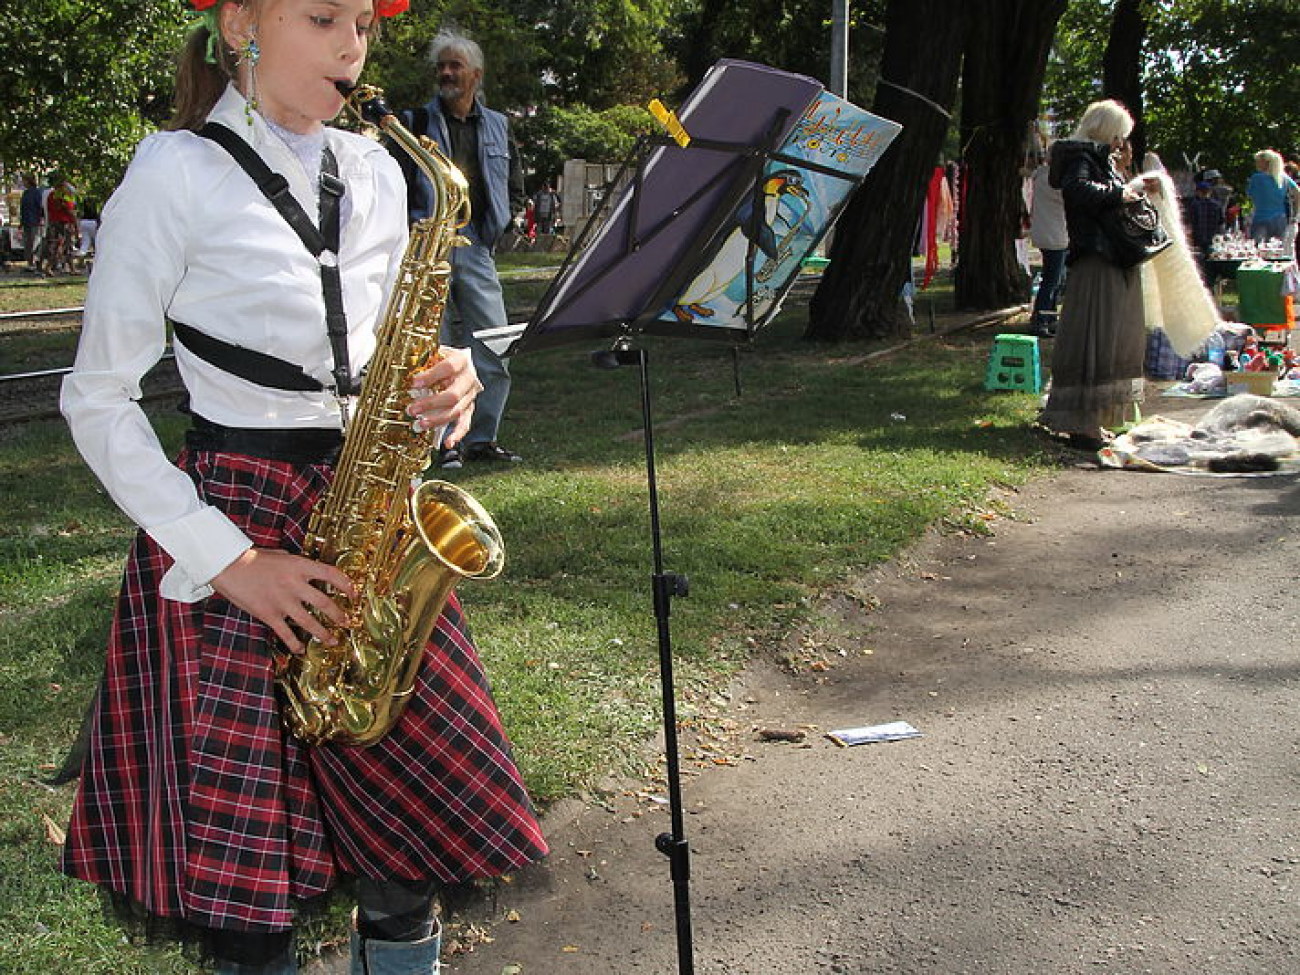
(405, 544)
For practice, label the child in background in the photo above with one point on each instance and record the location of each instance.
(196, 811)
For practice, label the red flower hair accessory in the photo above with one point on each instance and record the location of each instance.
(207, 11)
(384, 8)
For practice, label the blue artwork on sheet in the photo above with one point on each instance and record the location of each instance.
(703, 235)
(802, 190)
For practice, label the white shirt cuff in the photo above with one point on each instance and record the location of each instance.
(202, 544)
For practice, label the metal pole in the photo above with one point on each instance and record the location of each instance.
(839, 76)
(840, 48)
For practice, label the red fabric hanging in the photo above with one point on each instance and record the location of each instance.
(932, 198)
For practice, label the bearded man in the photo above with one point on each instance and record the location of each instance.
(479, 142)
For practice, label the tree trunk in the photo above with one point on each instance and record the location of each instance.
(1121, 71)
(700, 47)
(872, 248)
(1002, 80)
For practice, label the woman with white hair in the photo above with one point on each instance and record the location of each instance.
(1097, 360)
(1267, 188)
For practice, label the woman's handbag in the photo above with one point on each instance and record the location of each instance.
(1134, 232)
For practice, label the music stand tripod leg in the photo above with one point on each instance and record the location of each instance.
(665, 586)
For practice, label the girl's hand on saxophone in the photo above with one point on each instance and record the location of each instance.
(279, 589)
(443, 395)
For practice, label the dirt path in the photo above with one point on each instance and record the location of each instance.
(1109, 693)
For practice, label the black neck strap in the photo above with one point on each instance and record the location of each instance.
(323, 243)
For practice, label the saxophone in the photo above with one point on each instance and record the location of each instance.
(404, 544)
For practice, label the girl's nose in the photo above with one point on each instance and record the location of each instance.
(352, 48)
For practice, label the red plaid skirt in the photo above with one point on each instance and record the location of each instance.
(196, 804)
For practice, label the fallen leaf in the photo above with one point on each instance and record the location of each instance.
(53, 831)
(780, 734)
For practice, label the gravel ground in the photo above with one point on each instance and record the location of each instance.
(1106, 782)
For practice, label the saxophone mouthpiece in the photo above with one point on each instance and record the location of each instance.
(366, 101)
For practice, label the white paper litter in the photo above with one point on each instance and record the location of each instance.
(893, 731)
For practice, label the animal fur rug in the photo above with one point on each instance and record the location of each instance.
(1241, 435)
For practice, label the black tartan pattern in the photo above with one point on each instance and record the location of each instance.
(195, 803)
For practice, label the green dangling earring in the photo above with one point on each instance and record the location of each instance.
(249, 54)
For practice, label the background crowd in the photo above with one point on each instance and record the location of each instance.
(57, 226)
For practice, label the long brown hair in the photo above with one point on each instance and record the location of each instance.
(199, 82)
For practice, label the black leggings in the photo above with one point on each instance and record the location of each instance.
(387, 910)
(396, 910)
(252, 949)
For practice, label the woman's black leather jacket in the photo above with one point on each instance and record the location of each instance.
(1089, 185)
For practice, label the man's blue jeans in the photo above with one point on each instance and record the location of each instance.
(477, 304)
(1263, 230)
(1049, 286)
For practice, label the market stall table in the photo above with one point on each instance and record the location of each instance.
(1264, 294)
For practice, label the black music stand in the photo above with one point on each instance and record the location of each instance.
(704, 239)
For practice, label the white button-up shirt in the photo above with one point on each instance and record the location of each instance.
(188, 236)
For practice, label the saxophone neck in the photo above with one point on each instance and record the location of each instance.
(451, 189)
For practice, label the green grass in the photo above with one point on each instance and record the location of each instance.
(23, 292)
(826, 463)
(34, 351)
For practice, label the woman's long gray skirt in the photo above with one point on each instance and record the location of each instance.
(1100, 348)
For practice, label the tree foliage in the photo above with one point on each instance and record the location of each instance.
(794, 35)
(604, 53)
(86, 79)
(1221, 80)
(82, 81)
(597, 53)
(555, 134)
(1218, 77)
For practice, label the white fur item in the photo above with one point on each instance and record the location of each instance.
(1174, 297)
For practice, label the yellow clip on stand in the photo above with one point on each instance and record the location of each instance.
(670, 122)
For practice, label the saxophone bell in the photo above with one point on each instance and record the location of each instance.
(403, 546)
